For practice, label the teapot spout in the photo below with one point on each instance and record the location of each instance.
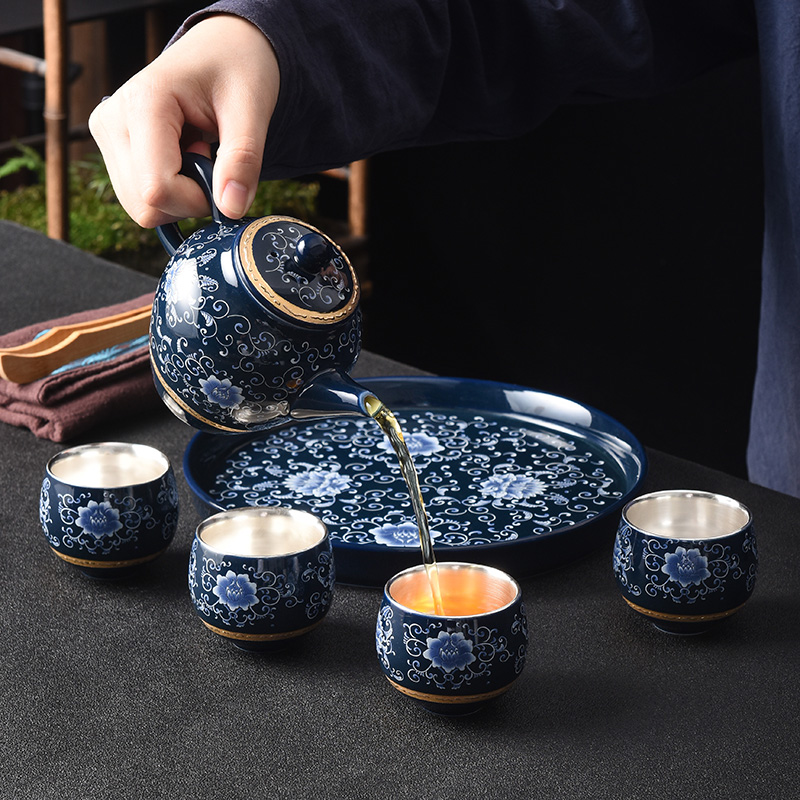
(334, 393)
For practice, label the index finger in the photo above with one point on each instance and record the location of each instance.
(155, 130)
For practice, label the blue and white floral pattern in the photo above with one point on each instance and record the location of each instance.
(99, 519)
(221, 392)
(687, 567)
(418, 444)
(235, 591)
(484, 479)
(111, 523)
(404, 534)
(318, 483)
(246, 595)
(45, 518)
(225, 357)
(442, 655)
(450, 651)
(670, 570)
(507, 486)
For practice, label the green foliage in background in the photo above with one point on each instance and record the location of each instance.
(99, 224)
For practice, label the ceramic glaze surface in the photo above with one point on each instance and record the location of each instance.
(102, 529)
(223, 359)
(451, 665)
(489, 478)
(685, 584)
(260, 601)
(483, 480)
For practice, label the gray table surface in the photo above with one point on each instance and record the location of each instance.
(114, 689)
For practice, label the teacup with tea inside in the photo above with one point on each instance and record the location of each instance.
(455, 661)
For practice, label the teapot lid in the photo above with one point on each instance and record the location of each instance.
(298, 270)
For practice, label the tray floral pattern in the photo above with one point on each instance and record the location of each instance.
(484, 479)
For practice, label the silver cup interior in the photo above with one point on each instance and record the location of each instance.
(484, 589)
(108, 465)
(681, 514)
(261, 532)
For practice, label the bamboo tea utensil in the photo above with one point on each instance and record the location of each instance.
(59, 333)
(81, 341)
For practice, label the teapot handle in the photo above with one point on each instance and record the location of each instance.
(200, 169)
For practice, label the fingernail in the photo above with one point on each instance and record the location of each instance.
(234, 198)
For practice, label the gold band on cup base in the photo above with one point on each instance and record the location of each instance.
(89, 563)
(260, 637)
(682, 617)
(449, 699)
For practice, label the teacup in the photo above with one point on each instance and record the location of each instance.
(454, 662)
(109, 507)
(685, 559)
(261, 577)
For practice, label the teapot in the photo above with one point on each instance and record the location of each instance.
(255, 322)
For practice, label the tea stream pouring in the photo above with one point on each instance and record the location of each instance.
(255, 322)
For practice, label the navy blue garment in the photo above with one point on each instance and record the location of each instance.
(359, 78)
(774, 448)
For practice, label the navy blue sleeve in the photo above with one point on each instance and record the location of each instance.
(361, 77)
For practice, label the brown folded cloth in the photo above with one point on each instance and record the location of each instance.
(62, 405)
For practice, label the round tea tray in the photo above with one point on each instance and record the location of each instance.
(511, 477)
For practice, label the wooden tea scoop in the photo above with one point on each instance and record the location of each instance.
(24, 367)
(59, 333)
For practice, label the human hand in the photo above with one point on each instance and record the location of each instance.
(219, 81)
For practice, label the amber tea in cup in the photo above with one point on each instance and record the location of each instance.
(465, 592)
(454, 662)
